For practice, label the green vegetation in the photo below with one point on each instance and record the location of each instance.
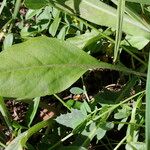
(74, 74)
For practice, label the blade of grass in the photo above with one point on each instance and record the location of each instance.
(148, 109)
(120, 14)
(5, 113)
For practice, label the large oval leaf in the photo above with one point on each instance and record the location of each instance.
(41, 66)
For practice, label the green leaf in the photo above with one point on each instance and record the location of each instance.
(31, 13)
(54, 26)
(8, 41)
(102, 11)
(19, 142)
(135, 41)
(44, 66)
(94, 130)
(82, 40)
(36, 4)
(85, 108)
(40, 66)
(76, 90)
(122, 113)
(136, 146)
(72, 120)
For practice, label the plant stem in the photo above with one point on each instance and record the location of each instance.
(62, 140)
(15, 13)
(120, 14)
(85, 91)
(62, 101)
(16, 9)
(120, 143)
(2, 145)
(2, 6)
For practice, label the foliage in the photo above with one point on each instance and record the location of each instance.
(94, 64)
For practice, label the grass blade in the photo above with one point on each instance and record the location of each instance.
(148, 109)
(5, 113)
(120, 14)
(32, 110)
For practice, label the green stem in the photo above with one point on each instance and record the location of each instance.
(16, 10)
(120, 14)
(15, 13)
(116, 106)
(120, 143)
(62, 140)
(2, 6)
(62, 102)
(2, 145)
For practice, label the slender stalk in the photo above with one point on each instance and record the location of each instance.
(2, 145)
(62, 101)
(120, 143)
(3, 4)
(85, 91)
(16, 9)
(15, 13)
(62, 140)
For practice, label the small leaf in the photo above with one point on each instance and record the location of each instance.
(8, 41)
(135, 41)
(85, 108)
(120, 126)
(122, 113)
(136, 146)
(82, 40)
(76, 90)
(72, 119)
(54, 26)
(31, 13)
